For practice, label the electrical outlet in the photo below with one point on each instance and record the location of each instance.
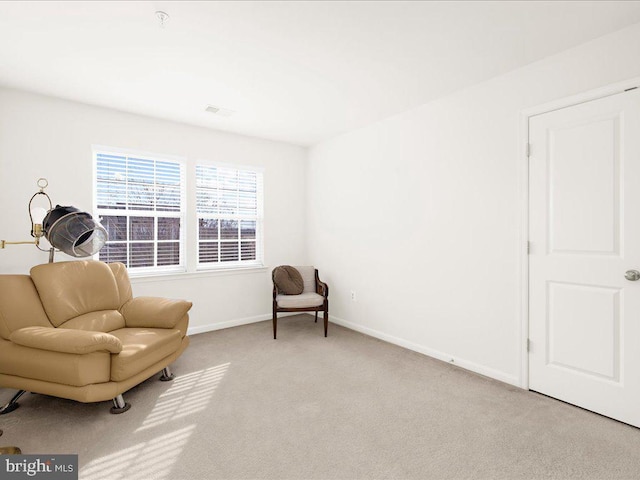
(353, 295)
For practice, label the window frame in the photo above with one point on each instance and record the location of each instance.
(258, 262)
(181, 214)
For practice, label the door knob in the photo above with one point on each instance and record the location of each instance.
(632, 275)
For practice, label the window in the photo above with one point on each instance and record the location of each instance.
(140, 203)
(229, 212)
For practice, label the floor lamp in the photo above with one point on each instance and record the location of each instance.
(67, 229)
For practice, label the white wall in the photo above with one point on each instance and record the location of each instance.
(47, 137)
(420, 213)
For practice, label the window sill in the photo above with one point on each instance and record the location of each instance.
(173, 276)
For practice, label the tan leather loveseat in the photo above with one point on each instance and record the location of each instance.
(73, 330)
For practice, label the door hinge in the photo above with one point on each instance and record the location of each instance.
(528, 149)
(528, 248)
(528, 344)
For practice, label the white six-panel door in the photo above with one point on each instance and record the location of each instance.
(584, 232)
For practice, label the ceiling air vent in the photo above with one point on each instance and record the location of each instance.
(219, 111)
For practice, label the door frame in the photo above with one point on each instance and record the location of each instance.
(523, 184)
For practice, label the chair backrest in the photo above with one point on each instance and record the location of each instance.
(308, 274)
(79, 294)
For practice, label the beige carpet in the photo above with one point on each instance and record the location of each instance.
(244, 406)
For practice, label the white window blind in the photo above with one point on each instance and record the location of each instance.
(140, 203)
(229, 212)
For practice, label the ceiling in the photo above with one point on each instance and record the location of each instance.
(299, 72)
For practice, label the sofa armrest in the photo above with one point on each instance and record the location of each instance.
(66, 340)
(154, 312)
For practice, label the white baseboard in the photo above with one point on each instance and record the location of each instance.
(460, 362)
(233, 323)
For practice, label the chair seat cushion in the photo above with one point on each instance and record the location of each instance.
(304, 300)
(141, 348)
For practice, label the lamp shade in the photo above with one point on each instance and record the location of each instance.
(73, 232)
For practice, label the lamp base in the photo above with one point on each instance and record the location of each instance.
(13, 403)
(9, 450)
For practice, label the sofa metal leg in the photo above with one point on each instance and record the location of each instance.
(119, 405)
(13, 403)
(167, 376)
(316, 316)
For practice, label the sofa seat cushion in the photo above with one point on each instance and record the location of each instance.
(141, 348)
(304, 300)
(100, 321)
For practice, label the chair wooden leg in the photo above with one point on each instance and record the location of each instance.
(275, 324)
(326, 320)
(316, 316)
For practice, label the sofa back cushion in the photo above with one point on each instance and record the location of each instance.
(122, 279)
(19, 305)
(71, 289)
